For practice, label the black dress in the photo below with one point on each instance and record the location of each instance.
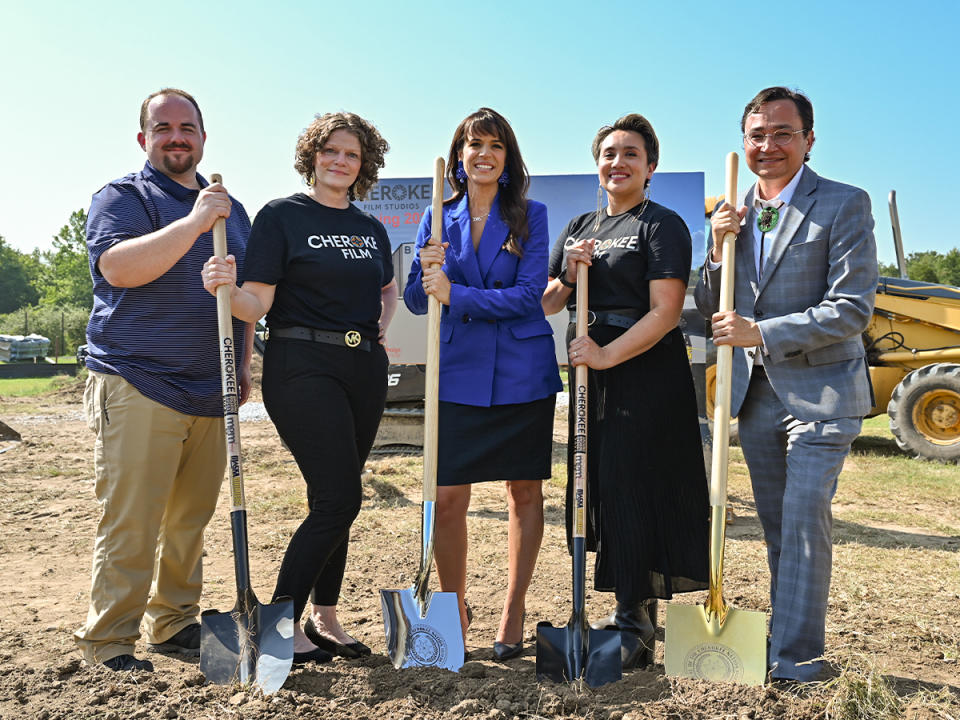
(648, 514)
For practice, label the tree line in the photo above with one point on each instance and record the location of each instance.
(50, 292)
(929, 266)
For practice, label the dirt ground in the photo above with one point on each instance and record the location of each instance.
(892, 629)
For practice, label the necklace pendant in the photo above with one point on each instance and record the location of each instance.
(767, 219)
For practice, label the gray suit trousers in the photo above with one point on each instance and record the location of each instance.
(794, 467)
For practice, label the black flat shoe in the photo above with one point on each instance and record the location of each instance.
(316, 655)
(505, 651)
(351, 651)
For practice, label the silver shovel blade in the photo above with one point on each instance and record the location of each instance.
(248, 648)
(431, 639)
(568, 653)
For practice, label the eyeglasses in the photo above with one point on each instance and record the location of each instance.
(780, 137)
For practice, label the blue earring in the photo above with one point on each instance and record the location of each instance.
(461, 174)
(504, 179)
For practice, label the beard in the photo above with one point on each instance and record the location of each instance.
(173, 165)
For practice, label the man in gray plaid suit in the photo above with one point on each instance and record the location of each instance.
(806, 274)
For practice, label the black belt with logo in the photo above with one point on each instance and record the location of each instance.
(351, 339)
(621, 317)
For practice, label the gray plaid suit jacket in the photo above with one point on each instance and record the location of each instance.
(814, 300)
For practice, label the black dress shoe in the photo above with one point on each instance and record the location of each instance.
(127, 663)
(505, 651)
(185, 642)
(316, 655)
(351, 651)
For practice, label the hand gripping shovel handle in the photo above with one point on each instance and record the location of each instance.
(231, 420)
(716, 608)
(431, 403)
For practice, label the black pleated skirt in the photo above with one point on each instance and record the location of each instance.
(501, 442)
(648, 506)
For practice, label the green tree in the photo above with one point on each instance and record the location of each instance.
(929, 266)
(17, 275)
(66, 270)
(889, 270)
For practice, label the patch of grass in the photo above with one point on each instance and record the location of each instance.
(404, 472)
(29, 387)
(285, 502)
(861, 692)
(863, 695)
(558, 474)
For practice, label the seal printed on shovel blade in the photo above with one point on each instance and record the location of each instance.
(714, 662)
(427, 646)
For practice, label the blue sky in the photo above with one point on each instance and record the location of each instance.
(882, 77)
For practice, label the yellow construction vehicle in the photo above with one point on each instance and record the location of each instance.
(913, 350)
(913, 347)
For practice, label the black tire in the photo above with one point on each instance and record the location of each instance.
(924, 412)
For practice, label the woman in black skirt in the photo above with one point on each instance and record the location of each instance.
(647, 489)
(498, 369)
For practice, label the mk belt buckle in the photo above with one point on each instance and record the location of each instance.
(352, 338)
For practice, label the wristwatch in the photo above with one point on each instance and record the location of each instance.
(566, 283)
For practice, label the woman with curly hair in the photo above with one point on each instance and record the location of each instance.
(321, 271)
(498, 369)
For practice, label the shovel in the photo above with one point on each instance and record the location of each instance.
(714, 641)
(423, 627)
(253, 643)
(567, 654)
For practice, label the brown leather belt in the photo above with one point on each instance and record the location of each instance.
(350, 339)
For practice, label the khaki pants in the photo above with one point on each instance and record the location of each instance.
(158, 476)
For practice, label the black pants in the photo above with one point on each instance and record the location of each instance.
(326, 402)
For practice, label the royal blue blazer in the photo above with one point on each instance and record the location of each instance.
(496, 346)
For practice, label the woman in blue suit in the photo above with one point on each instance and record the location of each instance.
(498, 371)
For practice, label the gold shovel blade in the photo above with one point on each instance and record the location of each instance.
(737, 653)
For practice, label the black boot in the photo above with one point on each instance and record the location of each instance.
(637, 623)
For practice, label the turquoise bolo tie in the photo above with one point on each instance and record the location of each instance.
(766, 221)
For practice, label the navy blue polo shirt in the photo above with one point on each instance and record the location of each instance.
(161, 337)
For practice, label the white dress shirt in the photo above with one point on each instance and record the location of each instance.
(780, 201)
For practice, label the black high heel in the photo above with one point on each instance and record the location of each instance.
(505, 651)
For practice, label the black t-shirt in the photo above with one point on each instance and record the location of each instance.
(629, 252)
(328, 264)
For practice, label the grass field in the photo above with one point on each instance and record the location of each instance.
(29, 387)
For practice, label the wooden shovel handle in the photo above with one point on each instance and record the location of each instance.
(432, 380)
(580, 410)
(721, 412)
(229, 382)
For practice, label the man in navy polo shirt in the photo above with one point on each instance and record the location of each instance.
(153, 394)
